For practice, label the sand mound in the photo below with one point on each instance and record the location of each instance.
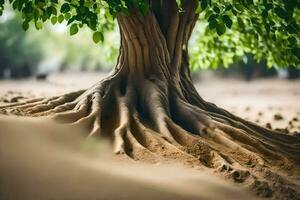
(40, 160)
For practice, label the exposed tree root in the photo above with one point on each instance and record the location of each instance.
(155, 124)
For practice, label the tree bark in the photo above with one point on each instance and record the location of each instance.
(149, 107)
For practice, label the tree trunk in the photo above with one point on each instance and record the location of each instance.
(149, 107)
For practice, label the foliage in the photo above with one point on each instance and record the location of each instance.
(52, 48)
(268, 29)
(15, 49)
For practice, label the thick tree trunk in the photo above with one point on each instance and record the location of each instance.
(149, 107)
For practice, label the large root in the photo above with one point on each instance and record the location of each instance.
(148, 121)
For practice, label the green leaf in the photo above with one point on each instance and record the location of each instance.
(51, 10)
(144, 7)
(212, 24)
(72, 19)
(216, 9)
(221, 29)
(73, 29)
(67, 16)
(54, 11)
(54, 20)
(228, 7)
(203, 4)
(25, 26)
(227, 21)
(179, 4)
(234, 11)
(38, 25)
(60, 18)
(280, 12)
(208, 14)
(239, 7)
(212, 17)
(65, 8)
(97, 37)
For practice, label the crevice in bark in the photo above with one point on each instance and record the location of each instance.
(150, 110)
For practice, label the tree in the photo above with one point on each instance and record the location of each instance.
(17, 52)
(149, 99)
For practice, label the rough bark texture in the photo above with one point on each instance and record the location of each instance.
(150, 109)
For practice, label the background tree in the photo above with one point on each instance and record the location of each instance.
(18, 54)
(149, 98)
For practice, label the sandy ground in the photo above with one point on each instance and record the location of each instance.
(54, 164)
(268, 102)
(63, 168)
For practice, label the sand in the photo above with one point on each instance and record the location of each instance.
(39, 160)
(48, 161)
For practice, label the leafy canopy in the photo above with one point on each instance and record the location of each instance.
(226, 31)
(229, 29)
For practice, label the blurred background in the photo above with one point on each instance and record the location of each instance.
(51, 50)
(33, 53)
(50, 61)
